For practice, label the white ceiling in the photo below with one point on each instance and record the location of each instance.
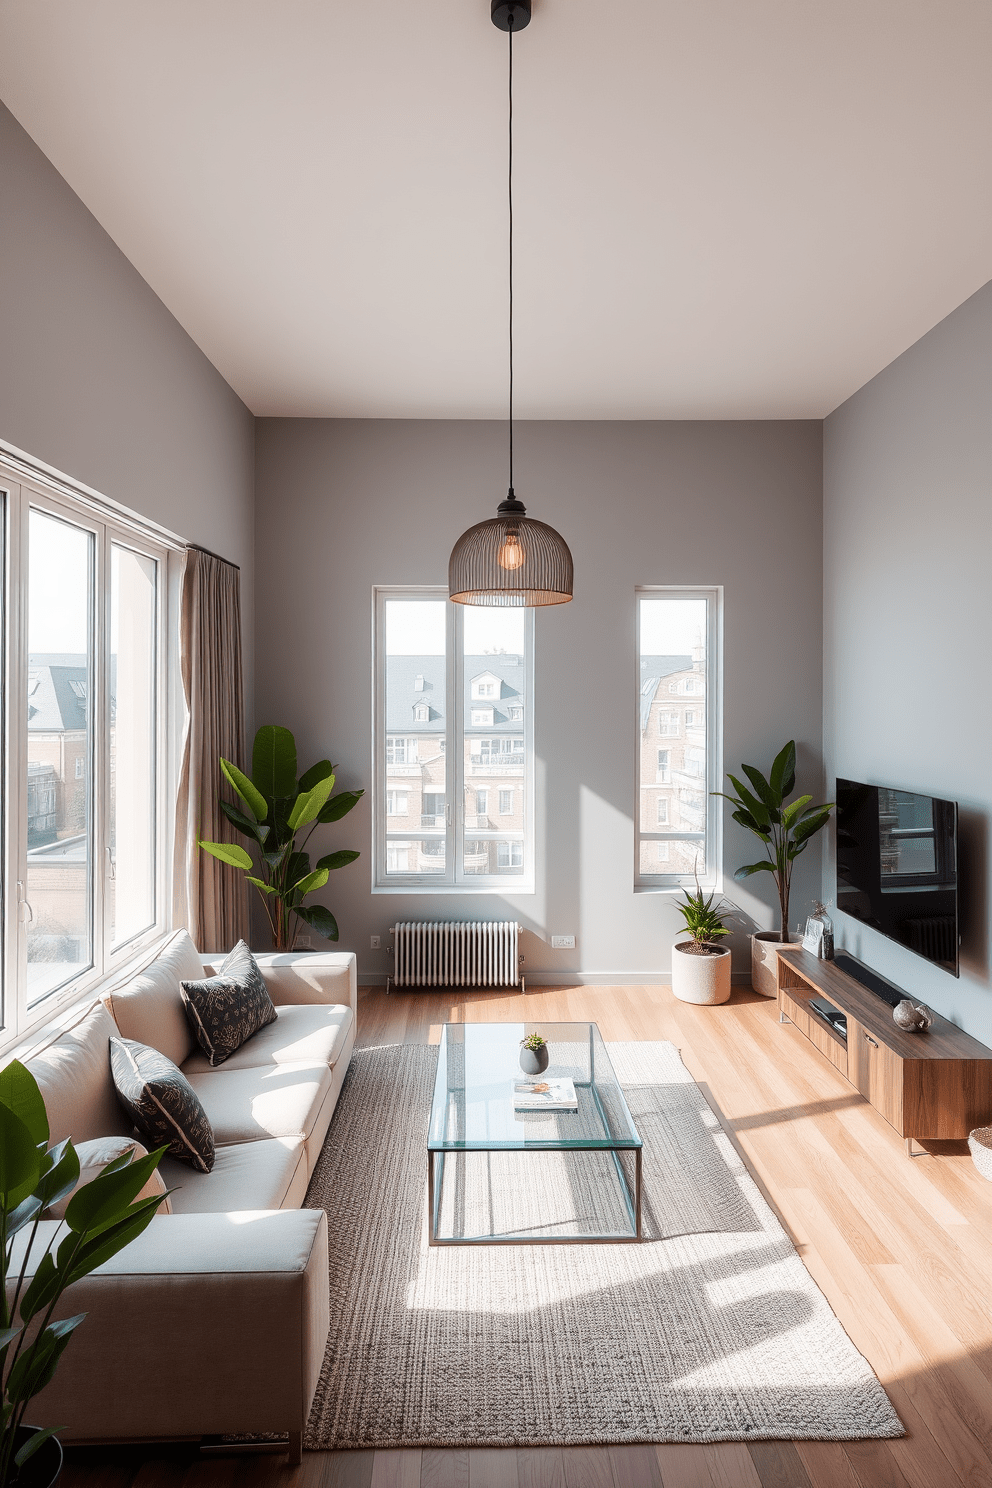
(725, 208)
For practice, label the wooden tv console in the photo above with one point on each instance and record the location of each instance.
(935, 1085)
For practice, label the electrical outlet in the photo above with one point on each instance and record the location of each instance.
(375, 942)
(305, 942)
(563, 942)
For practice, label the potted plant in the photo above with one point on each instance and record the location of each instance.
(700, 966)
(534, 1055)
(785, 830)
(101, 1218)
(277, 808)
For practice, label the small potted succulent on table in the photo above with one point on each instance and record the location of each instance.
(700, 966)
(534, 1055)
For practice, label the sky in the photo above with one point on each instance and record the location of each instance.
(416, 627)
(671, 627)
(58, 586)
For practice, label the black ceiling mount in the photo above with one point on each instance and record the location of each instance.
(511, 15)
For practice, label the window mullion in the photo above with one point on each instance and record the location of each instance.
(15, 784)
(101, 747)
(455, 747)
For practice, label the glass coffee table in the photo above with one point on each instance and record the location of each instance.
(500, 1176)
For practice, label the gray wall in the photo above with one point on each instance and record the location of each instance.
(342, 505)
(99, 380)
(907, 621)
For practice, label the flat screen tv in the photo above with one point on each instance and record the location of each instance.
(897, 867)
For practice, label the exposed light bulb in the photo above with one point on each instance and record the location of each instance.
(511, 554)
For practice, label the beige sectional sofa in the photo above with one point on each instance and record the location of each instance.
(215, 1320)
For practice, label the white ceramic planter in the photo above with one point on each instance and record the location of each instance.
(764, 962)
(700, 979)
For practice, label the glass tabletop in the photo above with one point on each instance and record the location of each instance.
(473, 1105)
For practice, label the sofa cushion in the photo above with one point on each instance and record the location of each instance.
(161, 1103)
(225, 1010)
(299, 1035)
(269, 1174)
(72, 1068)
(279, 1100)
(94, 1157)
(148, 1006)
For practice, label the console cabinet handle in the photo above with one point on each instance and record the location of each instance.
(870, 1040)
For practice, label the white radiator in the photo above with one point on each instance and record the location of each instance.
(456, 953)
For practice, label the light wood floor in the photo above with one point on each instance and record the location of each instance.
(902, 1249)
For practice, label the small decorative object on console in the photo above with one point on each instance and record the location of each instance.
(819, 934)
(534, 1055)
(912, 1016)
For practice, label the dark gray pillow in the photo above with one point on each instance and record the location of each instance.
(225, 1010)
(162, 1103)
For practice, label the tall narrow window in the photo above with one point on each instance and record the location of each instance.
(133, 651)
(83, 702)
(467, 767)
(677, 748)
(61, 849)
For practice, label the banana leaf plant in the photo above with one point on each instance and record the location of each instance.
(277, 808)
(785, 830)
(101, 1218)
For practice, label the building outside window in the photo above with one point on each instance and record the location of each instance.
(465, 755)
(396, 803)
(677, 819)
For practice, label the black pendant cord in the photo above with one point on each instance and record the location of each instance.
(509, 191)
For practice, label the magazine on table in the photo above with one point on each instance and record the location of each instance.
(544, 1095)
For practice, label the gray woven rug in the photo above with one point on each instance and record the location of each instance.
(710, 1330)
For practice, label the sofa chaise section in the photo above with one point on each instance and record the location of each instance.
(207, 1323)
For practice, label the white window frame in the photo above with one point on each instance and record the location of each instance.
(23, 487)
(645, 882)
(454, 880)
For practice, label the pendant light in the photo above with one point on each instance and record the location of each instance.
(511, 559)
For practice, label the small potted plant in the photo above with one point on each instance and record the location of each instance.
(785, 831)
(534, 1055)
(700, 966)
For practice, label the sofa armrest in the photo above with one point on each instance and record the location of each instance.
(311, 976)
(206, 1323)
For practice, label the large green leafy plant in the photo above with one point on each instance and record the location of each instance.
(101, 1218)
(277, 807)
(784, 829)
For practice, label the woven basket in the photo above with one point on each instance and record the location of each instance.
(980, 1145)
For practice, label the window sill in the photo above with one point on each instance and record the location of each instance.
(456, 890)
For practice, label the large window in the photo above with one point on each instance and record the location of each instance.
(678, 746)
(83, 862)
(463, 770)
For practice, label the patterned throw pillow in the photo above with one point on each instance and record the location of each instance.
(225, 1010)
(95, 1155)
(162, 1103)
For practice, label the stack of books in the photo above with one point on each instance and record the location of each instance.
(544, 1095)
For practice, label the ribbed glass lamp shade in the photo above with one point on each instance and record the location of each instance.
(510, 560)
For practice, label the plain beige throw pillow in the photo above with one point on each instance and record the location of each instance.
(94, 1157)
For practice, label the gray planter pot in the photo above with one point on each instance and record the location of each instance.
(535, 1061)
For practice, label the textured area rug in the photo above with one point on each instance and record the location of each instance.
(711, 1329)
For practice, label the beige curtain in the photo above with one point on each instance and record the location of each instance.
(210, 898)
